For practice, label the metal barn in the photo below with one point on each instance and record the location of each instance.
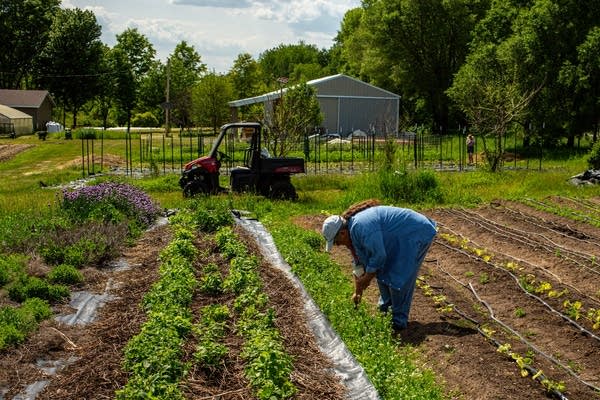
(347, 104)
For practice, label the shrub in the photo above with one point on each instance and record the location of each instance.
(110, 201)
(86, 133)
(11, 266)
(26, 287)
(415, 187)
(594, 156)
(65, 273)
(16, 323)
(146, 119)
(89, 243)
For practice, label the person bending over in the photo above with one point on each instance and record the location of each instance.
(386, 242)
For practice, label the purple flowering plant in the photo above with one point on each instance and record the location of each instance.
(110, 201)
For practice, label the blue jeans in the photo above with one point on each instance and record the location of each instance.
(400, 299)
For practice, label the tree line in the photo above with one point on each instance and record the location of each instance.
(492, 65)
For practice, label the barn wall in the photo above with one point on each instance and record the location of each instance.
(329, 109)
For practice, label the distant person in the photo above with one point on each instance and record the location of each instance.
(470, 147)
(391, 243)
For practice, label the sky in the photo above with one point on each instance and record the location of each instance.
(220, 30)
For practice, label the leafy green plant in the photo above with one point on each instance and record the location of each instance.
(211, 281)
(269, 366)
(593, 159)
(519, 312)
(65, 273)
(16, 323)
(26, 287)
(484, 278)
(209, 216)
(209, 351)
(573, 309)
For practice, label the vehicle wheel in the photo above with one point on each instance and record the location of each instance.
(193, 188)
(283, 191)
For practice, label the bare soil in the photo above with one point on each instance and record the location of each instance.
(8, 151)
(479, 262)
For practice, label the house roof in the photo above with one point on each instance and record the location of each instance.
(330, 86)
(23, 98)
(12, 113)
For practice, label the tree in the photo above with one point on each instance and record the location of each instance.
(351, 45)
(133, 55)
(487, 91)
(185, 69)
(24, 28)
(210, 97)
(291, 61)
(544, 39)
(152, 90)
(107, 92)
(125, 87)
(245, 76)
(69, 66)
(293, 114)
(139, 51)
(419, 45)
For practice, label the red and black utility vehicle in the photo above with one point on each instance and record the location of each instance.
(260, 173)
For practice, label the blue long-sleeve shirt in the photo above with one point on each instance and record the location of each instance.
(389, 241)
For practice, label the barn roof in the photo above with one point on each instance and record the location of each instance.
(12, 113)
(23, 98)
(339, 85)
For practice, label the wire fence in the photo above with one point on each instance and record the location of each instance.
(154, 153)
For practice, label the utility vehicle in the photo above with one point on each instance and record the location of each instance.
(260, 173)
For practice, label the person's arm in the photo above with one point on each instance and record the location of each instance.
(363, 282)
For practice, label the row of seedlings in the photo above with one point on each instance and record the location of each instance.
(268, 365)
(533, 288)
(153, 358)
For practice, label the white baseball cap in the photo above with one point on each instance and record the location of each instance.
(331, 227)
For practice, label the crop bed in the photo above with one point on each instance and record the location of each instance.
(509, 298)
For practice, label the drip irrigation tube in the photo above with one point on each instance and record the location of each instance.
(539, 376)
(353, 376)
(536, 374)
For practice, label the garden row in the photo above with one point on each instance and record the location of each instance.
(528, 281)
(155, 357)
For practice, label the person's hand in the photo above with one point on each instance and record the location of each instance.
(356, 299)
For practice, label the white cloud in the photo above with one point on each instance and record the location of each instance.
(220, 30)
(214, 3)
